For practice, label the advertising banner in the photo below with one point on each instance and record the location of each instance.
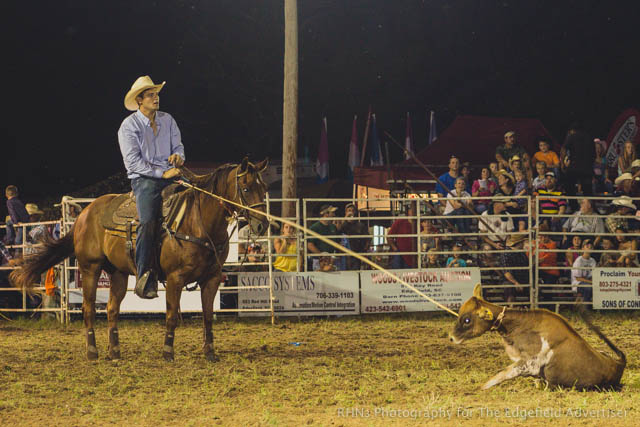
(449, 286)
(300, 294)
(625, 128)
(616, 288)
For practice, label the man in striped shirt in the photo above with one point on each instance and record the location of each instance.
(551, 203)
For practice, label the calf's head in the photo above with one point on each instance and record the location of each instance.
(475, 317)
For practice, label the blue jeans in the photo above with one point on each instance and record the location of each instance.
(149, 203)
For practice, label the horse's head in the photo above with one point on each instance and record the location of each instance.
(250, 192)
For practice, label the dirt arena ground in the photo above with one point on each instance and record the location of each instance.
(374, 370)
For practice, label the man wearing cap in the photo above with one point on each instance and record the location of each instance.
(152, 152)
(509, 149)
(324, 227)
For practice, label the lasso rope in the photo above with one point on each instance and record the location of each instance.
(324, 239)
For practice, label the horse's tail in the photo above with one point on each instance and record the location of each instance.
(53, 252)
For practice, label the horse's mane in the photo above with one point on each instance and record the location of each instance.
(211, 180)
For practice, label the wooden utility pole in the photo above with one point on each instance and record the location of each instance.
(290, 107)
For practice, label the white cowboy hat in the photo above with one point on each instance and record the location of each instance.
(140, 85)
(624, 201)
(32, 209)
(625, 176)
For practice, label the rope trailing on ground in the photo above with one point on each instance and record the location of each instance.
(324, 239)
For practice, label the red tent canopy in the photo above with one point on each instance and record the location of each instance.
(471, 138)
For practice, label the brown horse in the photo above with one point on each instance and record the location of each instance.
(181, 261)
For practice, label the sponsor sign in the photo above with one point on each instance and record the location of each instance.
(189, 301)
(449, 286)
(625, 128)
(300, 294)
(616, 288)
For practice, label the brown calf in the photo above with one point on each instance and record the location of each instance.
(541, 344)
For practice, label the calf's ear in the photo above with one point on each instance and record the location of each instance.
(477, 291)
(485, 314)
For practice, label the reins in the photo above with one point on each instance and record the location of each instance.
(317, 236)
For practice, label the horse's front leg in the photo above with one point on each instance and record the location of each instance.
(116, 295)
(174, 290)
(208, 291)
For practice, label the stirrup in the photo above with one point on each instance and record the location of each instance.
(145, 286)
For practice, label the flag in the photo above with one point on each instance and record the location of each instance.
(408, 141)
(354, 151)
(322, 163)
(433, 133)
(376, 149)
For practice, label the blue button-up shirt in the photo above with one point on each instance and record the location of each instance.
(144, 153)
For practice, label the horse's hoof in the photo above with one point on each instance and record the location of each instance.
(114, 355)
(167, 356)
(92, 355)
(211, 357)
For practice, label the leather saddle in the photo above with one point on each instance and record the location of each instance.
(120, 216)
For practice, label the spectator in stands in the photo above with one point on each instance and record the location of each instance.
(551, 202)
(623, 206)
(573, 251)
(352, 226)
(433, 260)
(627, 247)
(583, 221)
(515, 164)
(509, 149)
(427, 226)
(483, 187)
(287, 246)
(582, 272)
(577, 156)
(540, 180)
(404, 243)
(506, 189)
(493, 168)
(521, 188)
(625, 160)
(515, 257)
(465, 172)
(456, 260)
(608, 259)
(459, 207)
(601, 181)
(17, 212)
(325, 227)
(10, 235)
(547, 259)
(546, 155)
(449, 178)
(624, 185)
(497, 222)
(35, 233)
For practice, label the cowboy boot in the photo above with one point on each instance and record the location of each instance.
(147, 286)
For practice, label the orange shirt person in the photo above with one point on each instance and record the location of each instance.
(546, 155)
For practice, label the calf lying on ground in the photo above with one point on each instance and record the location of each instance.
(541, 344)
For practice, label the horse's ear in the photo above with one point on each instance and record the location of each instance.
(262, 166)
(244, 165)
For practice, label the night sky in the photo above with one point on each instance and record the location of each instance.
(68, 64)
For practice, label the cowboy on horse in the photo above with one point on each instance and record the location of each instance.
(152, 152)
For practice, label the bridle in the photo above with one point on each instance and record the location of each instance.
(239, 195)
